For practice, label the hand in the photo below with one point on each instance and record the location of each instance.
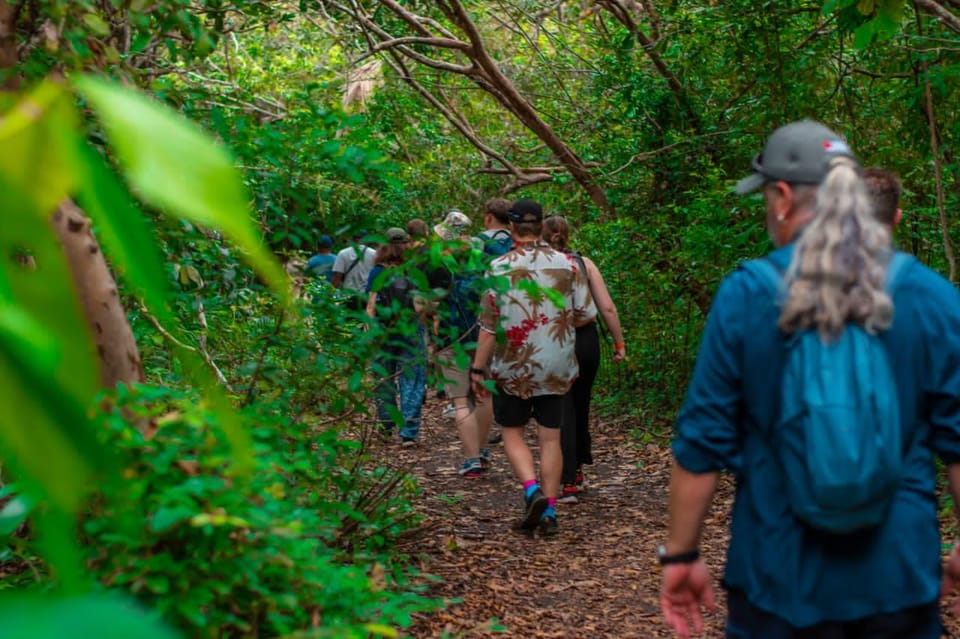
(476, 384)
(951, 577)
(684, 589)
(620, 354)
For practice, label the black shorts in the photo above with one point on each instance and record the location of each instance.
(513, 412)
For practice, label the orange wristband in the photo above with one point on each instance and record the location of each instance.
(619, 347)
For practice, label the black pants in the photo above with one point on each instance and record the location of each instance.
(575, 432)
(746, 621)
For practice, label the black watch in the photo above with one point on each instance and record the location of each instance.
(680, 558)
(478, 371)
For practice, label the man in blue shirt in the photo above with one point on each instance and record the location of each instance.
(784, 579)
(321, 264)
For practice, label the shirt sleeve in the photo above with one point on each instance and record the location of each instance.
(340, 264)
(583, 308)
(707, 431)
(942, 392)
(376, 270)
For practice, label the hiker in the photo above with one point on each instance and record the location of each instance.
(419, 233)
(575, 435)
(534, 366)
(321, 264)
(496, 240)
(828, 375)
(884, 188)
(456, 338)
(351, 270)
(401, 364)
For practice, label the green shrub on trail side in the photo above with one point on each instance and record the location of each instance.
(305, 542)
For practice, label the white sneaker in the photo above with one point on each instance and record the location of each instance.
(450, 411)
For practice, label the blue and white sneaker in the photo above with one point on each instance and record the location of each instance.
(471, 468)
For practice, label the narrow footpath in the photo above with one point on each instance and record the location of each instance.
(597, 578)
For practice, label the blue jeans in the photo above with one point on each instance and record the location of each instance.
(746, 621)
(403, 373)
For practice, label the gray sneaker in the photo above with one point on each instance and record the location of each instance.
(534, 505)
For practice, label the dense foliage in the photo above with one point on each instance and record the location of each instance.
(232, 493)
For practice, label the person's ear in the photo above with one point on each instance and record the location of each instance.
(783, 200)
(897, 216)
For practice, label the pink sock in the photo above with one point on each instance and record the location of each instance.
(529, 483)
(551, 501)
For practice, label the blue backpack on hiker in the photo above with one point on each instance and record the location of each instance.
(838, 437)
(468, 285)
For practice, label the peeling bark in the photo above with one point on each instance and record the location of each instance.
(99, 297)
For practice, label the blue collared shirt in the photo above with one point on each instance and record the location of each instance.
(782, 567)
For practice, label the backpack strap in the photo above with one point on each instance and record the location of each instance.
(360, 255)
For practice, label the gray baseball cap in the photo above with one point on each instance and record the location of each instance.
(797, 153)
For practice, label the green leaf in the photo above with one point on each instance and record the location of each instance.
(863, 36)
(13, 514)
(32, 157)
(39, 617)
(175, 166)
(122, 229)
(96, 24)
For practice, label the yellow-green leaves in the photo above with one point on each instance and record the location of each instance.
(174, 166)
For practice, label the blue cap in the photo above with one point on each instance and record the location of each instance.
(325, 241)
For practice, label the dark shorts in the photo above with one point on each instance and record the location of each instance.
(746, 621)
(512, 412)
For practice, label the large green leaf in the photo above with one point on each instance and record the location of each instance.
(77, 618)
(122, 229)
(32, 157)
(174, 166)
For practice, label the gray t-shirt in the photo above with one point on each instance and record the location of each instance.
(356, 275)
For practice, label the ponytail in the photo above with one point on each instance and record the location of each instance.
(556, 232)
(839, 265)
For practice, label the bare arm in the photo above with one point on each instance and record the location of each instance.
(337, 280)
(690, 497)
(486, 342)
(372, 304)
(601, 297)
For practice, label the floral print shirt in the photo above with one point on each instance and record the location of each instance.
(539, 298)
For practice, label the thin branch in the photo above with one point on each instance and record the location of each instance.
(649, 154)
(939, 12)
(200, 351)
(443, 43)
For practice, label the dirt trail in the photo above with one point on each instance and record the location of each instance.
(597, 578)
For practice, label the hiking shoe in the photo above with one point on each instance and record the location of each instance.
(495, 438)
(406, 442)
(450, 411)
(485, 458)
(579, 481)
(568, 495)
(534, 505)
(549, 527)
(471, 468)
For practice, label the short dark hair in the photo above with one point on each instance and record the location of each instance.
(499, 208)
(885, 189)
(528, 229)
(417, 229)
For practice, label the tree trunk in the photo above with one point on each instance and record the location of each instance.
(97, 290)
(9, 79)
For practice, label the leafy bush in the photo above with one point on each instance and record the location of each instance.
(303, 542)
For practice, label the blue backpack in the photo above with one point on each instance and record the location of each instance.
(469, 284)
(838, 437)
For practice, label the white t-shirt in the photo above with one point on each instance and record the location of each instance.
(356, 276)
